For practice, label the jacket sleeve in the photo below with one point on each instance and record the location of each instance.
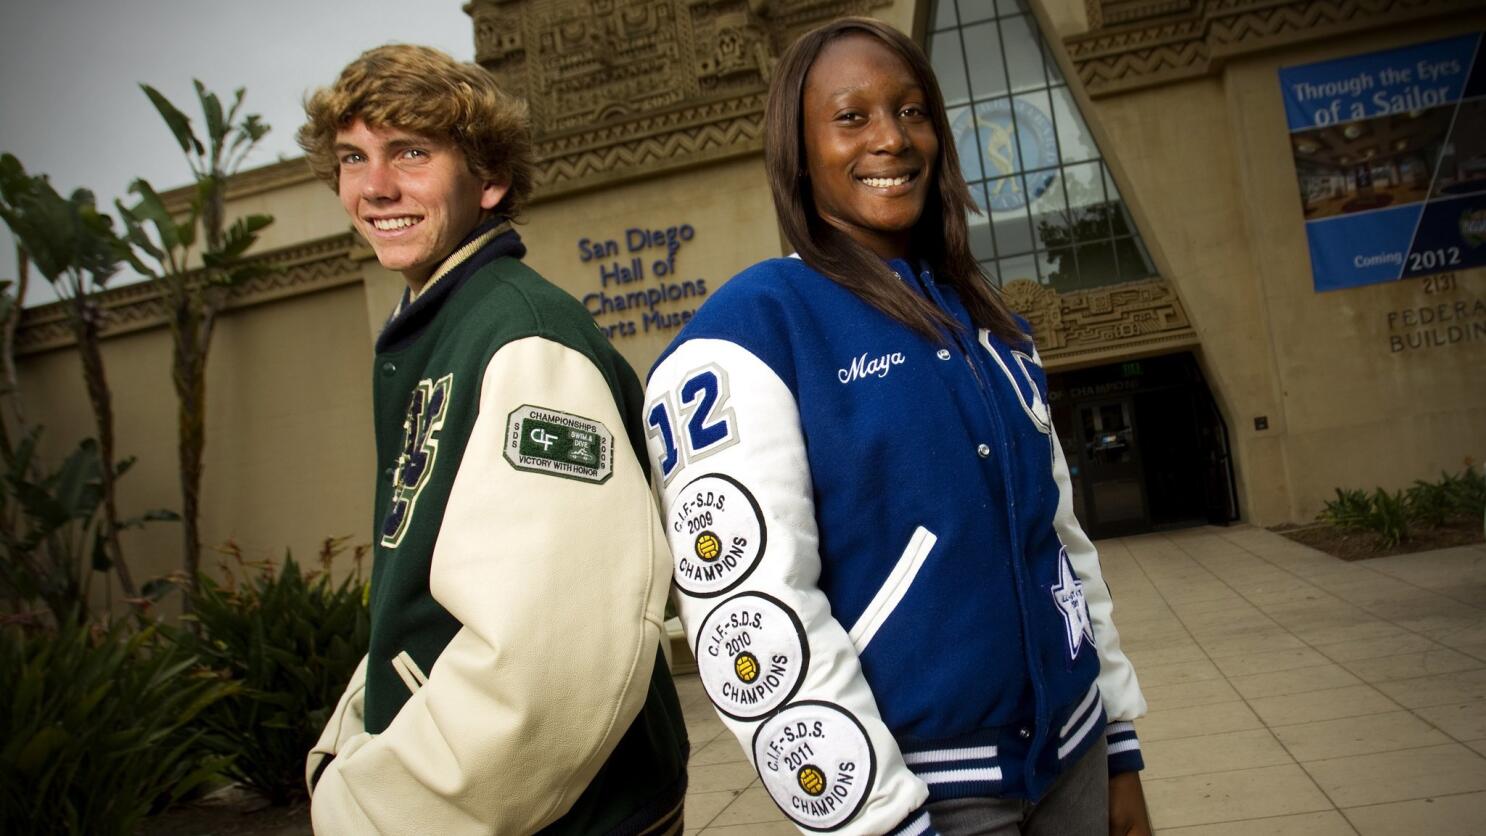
(728, 458)
(558, 577)
(1123, 701)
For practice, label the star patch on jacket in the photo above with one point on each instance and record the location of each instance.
(1068, 594)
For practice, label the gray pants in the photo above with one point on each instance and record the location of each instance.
(1077, 805)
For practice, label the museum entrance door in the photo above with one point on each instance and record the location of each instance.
(1113, 478)
(1146, 447)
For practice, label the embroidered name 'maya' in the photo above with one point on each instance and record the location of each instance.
(862, 367)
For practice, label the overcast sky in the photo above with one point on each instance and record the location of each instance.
(70, 103)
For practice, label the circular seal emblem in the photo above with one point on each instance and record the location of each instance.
(717, 535)
(816, 762)
(751, 654)
(1007, 146)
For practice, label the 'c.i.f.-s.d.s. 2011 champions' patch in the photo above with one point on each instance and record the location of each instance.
(816, 762)
(751, 654)
(717, 535)
(542, 440)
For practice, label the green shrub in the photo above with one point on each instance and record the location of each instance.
(291, 640)
(1389, 517)
(95, 727)
(1350, 509)
(1455, 498)
(1382, 513)
(53, 535)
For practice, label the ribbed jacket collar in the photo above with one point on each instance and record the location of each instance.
(491, 240)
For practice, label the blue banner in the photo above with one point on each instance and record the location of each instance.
(1390, 154)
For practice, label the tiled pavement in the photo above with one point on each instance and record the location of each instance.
(1290, 692)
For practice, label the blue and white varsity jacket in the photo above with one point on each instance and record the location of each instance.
(877, 562)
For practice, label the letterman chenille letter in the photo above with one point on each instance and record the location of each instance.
(425, 417)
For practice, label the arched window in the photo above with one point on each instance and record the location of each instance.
(1052, 212)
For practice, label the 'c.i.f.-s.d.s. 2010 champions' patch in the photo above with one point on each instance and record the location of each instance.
(816, 762)
(542, 440)
(751, 654)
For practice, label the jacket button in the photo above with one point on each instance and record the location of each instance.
(1024, 733)
(984, 451)
(943, 354)
(389, 369)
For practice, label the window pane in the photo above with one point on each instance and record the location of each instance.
(1023, 53)
(987, 74)
(997, 144)
(1012, 230)
(1011, 7)
(981, 243)
(962, 127)
(1134, 261)
(1021, 267)
(1057, 266)
(1119, 219)
(944, 14)
(1050, 217)
(949, 67)
(1096, 264)
(1037, 141)
(973, 10)
(1089, 211)
(1075, 143)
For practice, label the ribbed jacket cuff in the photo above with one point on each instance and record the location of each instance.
(1123, 748)
(917, 824)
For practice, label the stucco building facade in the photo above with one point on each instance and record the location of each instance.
(1143, 213)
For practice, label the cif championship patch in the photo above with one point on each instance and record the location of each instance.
(816, 762)
(717, 535)
(541, 440)
(752, 655)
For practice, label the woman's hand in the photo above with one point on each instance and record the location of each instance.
(1127, 812)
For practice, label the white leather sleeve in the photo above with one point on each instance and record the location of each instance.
(737, 507)
(1117, 683)
(560, 586)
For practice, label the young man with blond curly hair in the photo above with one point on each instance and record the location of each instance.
(515, 681)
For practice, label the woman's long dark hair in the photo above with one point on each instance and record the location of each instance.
(940, 237)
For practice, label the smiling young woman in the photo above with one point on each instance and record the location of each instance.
(876, 557)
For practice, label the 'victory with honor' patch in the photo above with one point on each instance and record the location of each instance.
(541, 440)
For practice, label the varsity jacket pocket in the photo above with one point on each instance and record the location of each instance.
(409, 672)
(347, 721)
(893, 589)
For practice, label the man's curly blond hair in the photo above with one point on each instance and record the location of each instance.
(425, 92)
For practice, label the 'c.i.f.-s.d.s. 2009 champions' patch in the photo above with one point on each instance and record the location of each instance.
(816, 762)
(751, 654)
(542, 440)
(717, 535)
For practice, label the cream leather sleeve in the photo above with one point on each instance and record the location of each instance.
(560, 584)
(347, 721)
(728, 456)
(1118, 686)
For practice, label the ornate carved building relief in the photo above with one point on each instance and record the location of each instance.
(1089, 325)
(625, 88)
(1133, 44)
(313, 265)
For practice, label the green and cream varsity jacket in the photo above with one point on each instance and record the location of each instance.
(514, 682)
